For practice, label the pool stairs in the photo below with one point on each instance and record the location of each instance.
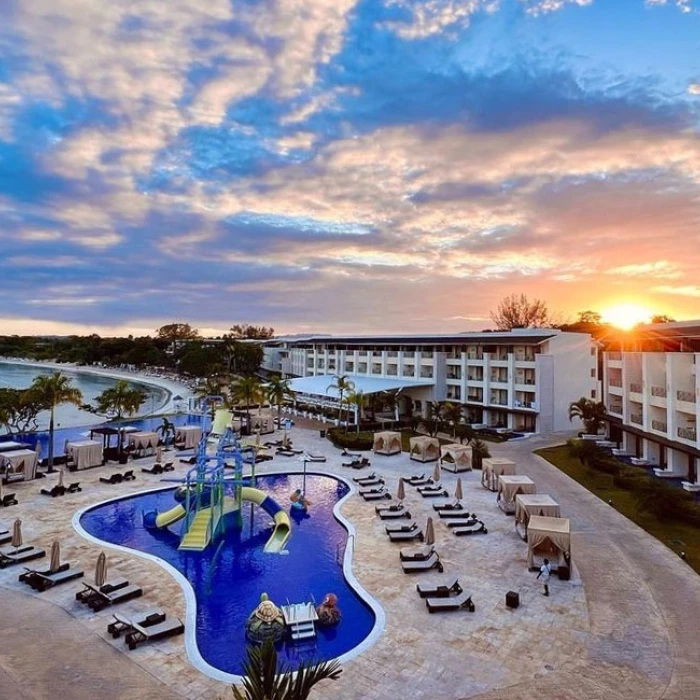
(199, 533)
(300, 618)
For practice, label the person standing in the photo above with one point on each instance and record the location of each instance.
(545, 571)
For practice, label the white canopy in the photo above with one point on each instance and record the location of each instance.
(492, 468)
(84, 453)
(189, 435)
(456, 457)
(424, 448)
(387, 443)
(548, 537)
(19, 464)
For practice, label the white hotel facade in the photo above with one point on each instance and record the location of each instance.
(522, 380)
(651, 389)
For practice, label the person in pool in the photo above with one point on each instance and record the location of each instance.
(299, 499)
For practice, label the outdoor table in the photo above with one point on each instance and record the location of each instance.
(18, 464)
(492, 468)
(509, 486)
(531, 505)
(84, 453)
(188, 436)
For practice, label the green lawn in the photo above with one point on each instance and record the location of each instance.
(676, 535)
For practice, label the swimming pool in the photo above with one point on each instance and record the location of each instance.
(225, 582)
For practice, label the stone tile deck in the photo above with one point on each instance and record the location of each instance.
(622, 627)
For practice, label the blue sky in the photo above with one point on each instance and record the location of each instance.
(342, 165)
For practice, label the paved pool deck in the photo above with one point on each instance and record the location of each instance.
(624, 626)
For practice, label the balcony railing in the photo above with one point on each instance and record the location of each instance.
(658, 391)
(614, 381)
(616, 408)
(525, 404)
(688, 396)
(688, 434)
(392, 353)
(615, 356)
(636, 418)
(475, 355)
(478, 398)
(499, 378)
(475, 378)
(636, 388)
(454, 375)
(659, 425)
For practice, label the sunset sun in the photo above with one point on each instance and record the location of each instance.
(626, 316)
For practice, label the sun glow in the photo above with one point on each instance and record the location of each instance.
(626, 316)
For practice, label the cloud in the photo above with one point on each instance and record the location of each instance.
(659, 269)
(694, 89)
(541, 7)
(690, 290)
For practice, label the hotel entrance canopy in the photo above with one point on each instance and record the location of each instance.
(321, 386)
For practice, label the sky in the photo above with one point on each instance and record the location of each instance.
(345, 166)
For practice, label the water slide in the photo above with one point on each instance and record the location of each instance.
(280, 535)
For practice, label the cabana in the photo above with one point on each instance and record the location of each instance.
(424, 449)
(509, 486)
(456, 457)
(187, 436)
(107, 433)
(18, 465)
(143, 443)
(550, 538)
(492, 468)
(84, 454)
(528, 506)
(387, 443)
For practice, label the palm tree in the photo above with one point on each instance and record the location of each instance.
(452, 414)
(246, 390)
(480, 451)
(356, 399)
(277, 390)
(265, 679)
(51, 390)
(342, 385)
(464, 432)
(121, 399)
(592, 413)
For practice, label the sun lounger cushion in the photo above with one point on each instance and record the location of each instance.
(401, 527)
(433, 562)
(433, 494)
(416, 534)
(463, 600)
(167, 628)
(41, 582)
(416, 553)
(454, 505)
(358, 479)
(28, 553)
(439, 589)
(477, 529)
(375, 495)
(394, 514)
(101, 600)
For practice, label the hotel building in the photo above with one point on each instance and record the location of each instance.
(522, 380)
(651, 389)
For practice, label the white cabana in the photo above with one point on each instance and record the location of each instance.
(509, 486)
(188, 436)
(492, 468)
(18, 465)
(550, 538)
(533, 505)
(83, 454)
(456, 457)
(424, 449)
(387, 443)
(144, 443)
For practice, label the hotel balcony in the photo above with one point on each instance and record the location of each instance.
(659, 425)
(454, 373)
(688, 434)
(426, 372)
(475, 397)
(392, 371)
(635, 388)
(454, 393)
(658, 391)
(658, 396)
(636, 418)
(615, 408)
(615, 357)
(686, 396)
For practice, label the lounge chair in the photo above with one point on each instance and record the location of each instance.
(168, 467)
(115, 478)
(42, 582)
(108, 587)
(458, 602)
(189, 460)
(345, 453)
(416, 534)
(377, 488)
(74, 487)
(439, 589)
(139, 633)
(144, 618)
(417, 553)
(99, 599)
(457, 515)
(374, 481)
(394, 514)
(155, 469)
(376, 495)
(433, 494)
(401, 527)
(460, 522)
(263, 458)
(478, 528)
(9, 500)
(129, 475)
(285, 453)
(54, 491)
(315, 458)
(431, 488)
(356, 464)
(452, 505)
(418, 480)
(29, 574)
(414, 567)
(360, 479)
(10, 555)
(5, 536)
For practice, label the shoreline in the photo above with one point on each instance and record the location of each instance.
(171, 387)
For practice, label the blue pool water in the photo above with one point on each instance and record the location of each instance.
(228, 584)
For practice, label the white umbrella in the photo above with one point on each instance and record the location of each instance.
(430, 533)
(401, 491)
(159, 454)
(17, 534)
(436, 473)
(60, 477)
(458, 491)
(55, 562)
(101, 570)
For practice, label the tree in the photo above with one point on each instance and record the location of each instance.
(342, 385)
(451, 414)
(517, 311)
(19, 410)
(590, 317)
(245, 331)
(592, 414)
(172, 332)
(431, 426)
(246, 390)
(480, 452)
(464, 432)
(199, 360)
(265, 679)
(277, 390)
(49, 391)
(120, 399)
(358, 400)
(662, 318)
(242, 358)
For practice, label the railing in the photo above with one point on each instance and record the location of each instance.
(525, 404)
(475, 378)
(392, 371)
(615, 356)
(636, 418)
(658, 391)
(392, 353)
(659, 425)
(636, 388)
(426, 372)
(616, 408)
(688, 396)
(687, 434)
(475, 397)
(499, 378)
(475, 355)
(498, 402)
(614, 381)
(426, 355)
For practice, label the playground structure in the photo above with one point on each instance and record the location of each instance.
(205, 508)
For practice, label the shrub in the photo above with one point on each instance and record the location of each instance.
(480, 451)
(351, 441)
(586, 451)
(606, 465)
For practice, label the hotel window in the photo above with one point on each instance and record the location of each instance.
(376, 368)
